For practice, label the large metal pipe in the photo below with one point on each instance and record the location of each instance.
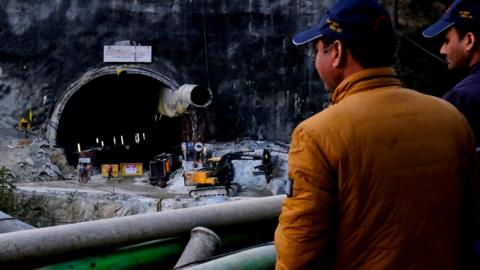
(202, 244)
(259, 258)
(40, 246)
(10, 224)
(175, 103)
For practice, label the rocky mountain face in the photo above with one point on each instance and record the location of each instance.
(262, 85)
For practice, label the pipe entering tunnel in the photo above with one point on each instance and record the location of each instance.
(117, 115)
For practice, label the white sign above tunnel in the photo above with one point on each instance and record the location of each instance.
(127, 54)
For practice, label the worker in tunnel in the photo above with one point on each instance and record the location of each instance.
(82, 170)
(110, 171)
(378, 179)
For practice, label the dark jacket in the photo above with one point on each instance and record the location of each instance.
(466, 97)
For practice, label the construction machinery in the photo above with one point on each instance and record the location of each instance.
(162, 167)
(215, 175)
(216, 178)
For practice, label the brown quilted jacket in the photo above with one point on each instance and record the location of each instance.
(377, 179)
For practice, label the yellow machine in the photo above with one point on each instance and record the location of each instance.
(204, 177)
(219, 173)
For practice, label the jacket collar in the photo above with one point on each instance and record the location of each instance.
(365, 80)
(475, 68)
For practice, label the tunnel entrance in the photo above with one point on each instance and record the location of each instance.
(115, 116)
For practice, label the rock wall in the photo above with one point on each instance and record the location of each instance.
(262, 85)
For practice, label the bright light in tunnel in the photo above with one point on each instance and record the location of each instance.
(79, 148)
(137, 138)
(121, 139)
(114, 140)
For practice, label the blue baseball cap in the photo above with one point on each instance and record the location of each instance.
(464, 13)
(348, 20)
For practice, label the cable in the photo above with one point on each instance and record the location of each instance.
(423, 49)
(396, 24)
(205, 46)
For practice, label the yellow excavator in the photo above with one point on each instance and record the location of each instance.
(216, 178)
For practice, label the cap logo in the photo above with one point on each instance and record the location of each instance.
(335, 26)
(465, 14)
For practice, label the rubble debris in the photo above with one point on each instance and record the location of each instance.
(34, 160)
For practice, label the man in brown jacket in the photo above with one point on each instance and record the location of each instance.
(377, 180)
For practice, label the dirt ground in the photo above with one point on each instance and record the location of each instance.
(119, 185)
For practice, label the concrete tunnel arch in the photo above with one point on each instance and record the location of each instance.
(153, 78)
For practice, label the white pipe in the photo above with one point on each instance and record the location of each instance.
(175, 103)
(32, 247)
(10, 224)
(202, 244)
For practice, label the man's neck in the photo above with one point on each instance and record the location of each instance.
(351, 66)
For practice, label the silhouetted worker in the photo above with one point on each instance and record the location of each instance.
(81, 173)
(377, 178)
(88, 172)
(110, 171)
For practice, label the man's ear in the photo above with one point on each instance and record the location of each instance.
(469, 41)
(338, 54)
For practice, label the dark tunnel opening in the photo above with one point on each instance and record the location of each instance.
(200, 96)
(111, 109)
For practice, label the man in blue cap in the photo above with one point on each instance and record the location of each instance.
(377, 178)
(460, 28)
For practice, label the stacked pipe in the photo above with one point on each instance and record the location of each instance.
(44, 246)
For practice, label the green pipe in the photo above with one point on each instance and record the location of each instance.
(164, 252)
(259, 258)
(159, 253)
